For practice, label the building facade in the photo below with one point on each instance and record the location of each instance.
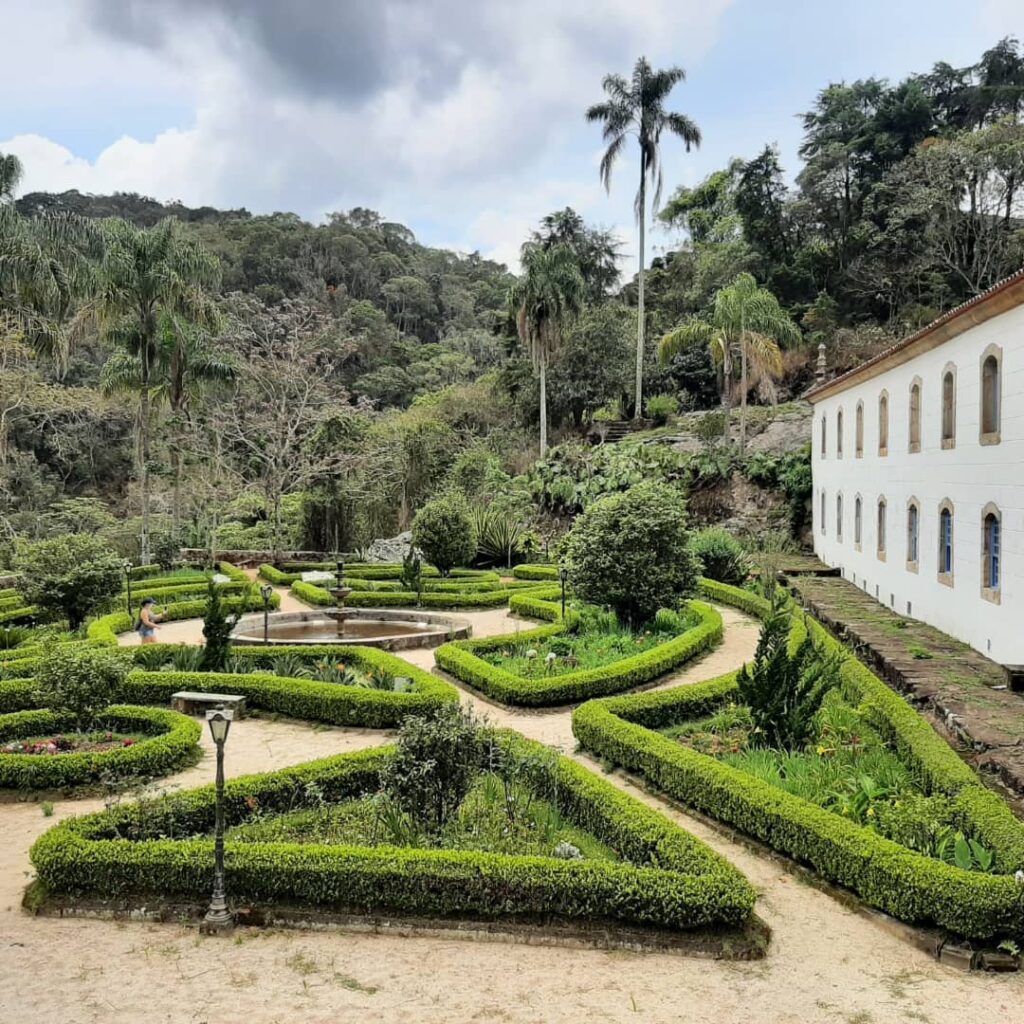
(918, 464)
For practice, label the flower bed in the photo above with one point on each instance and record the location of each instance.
(462, 657)
(169, 743)
(667, 878)
(906, 884)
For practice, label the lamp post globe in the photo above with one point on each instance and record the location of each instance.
(127, 566)
(266, 592)
(219, 918)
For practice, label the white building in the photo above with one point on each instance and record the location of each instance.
(918, 461)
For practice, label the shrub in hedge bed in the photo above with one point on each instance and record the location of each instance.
(460, 659)
(529, 571)
(672, 880)
(171, 745)
(312, 594)
(906, 884)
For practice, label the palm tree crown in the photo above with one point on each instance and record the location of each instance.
(748, 319)
(637, 108)
(550, 292)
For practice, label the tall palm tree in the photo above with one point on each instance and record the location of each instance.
(187, 364)
(637, 108)
(550, 292)
(746, 318)
(10, 176)
(147, 275)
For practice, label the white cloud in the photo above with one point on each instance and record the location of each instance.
(473, 128)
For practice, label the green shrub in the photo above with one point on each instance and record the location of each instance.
(218, 625)
(172, 745)
(499, 534)
(443, 531)
(661, 407)
(70, 576)
(535, 572)
(721, 555)
(631, 551)
(79, 681)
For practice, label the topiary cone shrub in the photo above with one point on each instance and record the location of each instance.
(631, 552)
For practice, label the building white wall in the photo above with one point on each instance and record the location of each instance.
(970, 475)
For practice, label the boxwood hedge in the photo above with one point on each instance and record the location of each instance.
(669, 880)
(171, 746)
(908, 885)
(530, 571)
(438, 596)
(460, 658)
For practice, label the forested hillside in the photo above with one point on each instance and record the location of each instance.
(173, 375)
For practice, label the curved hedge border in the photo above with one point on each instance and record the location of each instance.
(884, 874)
(682, 884)
(173, 747)
(460, 658)
(472, 597)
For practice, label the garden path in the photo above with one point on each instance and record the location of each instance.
(826, 963)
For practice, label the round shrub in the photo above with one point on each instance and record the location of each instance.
(631, 551)
(70, 576)
(80, 681)
(721, 555)
(661, 408)
(443, 531)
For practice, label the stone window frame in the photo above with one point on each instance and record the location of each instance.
(947, 441)
(988, 592)
(824, 512)
(946, 578)
(858, 431)
(839, 432)
(824, 436)
(839, 516)
(858, 522)
(912, 421)
(913, 564)
(883, 423)
(987, 437)
(881, 527)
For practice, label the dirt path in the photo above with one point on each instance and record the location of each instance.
(826, 964)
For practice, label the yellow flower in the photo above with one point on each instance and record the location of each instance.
(871, 812)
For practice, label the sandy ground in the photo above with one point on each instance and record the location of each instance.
(825, 962)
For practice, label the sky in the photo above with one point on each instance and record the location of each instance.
(462, 119)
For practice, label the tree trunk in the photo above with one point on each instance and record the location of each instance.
(743, 389)
(144, 424)
(727, 388)
(277, 528)
(176, 492)
(543, 408)
(639, 410)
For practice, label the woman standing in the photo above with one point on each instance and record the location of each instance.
(147, 621)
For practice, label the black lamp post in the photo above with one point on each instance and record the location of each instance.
(563, 575)
(266, 592)
(128, 577)
(340, 570)
(218, 918)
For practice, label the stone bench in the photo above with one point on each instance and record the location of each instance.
(191, 701)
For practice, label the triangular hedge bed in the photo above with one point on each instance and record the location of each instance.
(909, 885)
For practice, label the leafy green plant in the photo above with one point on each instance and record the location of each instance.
(443, 531)
(783, 688)
(499, 535)
(412, 572)
(661, 408)
(631, 551)
(218, 625)
(80, 681)
(721, 555)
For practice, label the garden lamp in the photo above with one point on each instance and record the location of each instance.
(266, 592)
(218, 918)
(127, 566)
(563, 576)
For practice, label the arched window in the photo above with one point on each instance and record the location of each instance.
(991, 394)
(839, 517)
(883, 423)
(915, 415)
(857, 520)
(839, 434)
(880, 534)
(949, 406)
(913, 533)
(946, 542)
(824, 435)
(859, 431)
(823, 513)
(991, 552)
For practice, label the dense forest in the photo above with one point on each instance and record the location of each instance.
(174, 375)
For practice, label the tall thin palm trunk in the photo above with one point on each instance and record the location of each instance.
(144, 447)
(543, 408)
(639, 410)
(743, 386)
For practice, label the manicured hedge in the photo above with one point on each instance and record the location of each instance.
(172, 745)
(19, 613)
(460, 659)
(469, 597)
(675, 882)
(535, 572)
(280, 579)
(906, 884)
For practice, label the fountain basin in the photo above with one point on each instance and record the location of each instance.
(387, 628)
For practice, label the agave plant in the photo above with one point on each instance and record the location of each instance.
(498, 535)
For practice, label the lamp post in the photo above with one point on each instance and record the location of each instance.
(266, 592)
(219, 919)
(563, 575)
(128, 577)
(340, 570)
